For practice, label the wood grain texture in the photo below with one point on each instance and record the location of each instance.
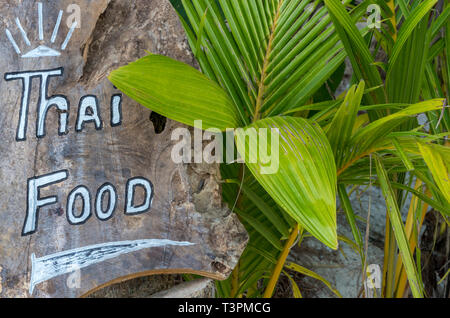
(187, 204)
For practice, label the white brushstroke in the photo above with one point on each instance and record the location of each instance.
(116, 110)
(56, 29)
(51, 266)
(41, 21)
(41, 51)
(69, 35)
(11, 39)
(107, 188)
(132, 184)
(82, 192)
(24, 34)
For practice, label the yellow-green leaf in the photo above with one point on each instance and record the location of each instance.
(295, 290)
(303, 178)
(438, 169)
(399, 230)
(177, 91)
(307, 272)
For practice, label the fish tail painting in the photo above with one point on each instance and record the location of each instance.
(54, 265)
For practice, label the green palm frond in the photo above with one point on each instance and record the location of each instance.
(270, 56)
(305, 183)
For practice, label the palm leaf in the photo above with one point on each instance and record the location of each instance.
(409, 56)
(269, 55)
(438, 168)
(262, 252)
(176, 90)
(340, 131)
(399, 230)
(305, 184)
(356, 47)
(367, 139)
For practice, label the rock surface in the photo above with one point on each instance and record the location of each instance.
(343, 268)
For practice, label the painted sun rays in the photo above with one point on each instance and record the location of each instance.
(41, 50)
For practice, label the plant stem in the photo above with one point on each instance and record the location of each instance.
(391, 5)
(280, 264)
(261, 86)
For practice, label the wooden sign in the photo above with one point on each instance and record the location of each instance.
(89, 194)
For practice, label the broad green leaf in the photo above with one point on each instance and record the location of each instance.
(438, 169)
(177, 91)
(305, 183)
(399, 229)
